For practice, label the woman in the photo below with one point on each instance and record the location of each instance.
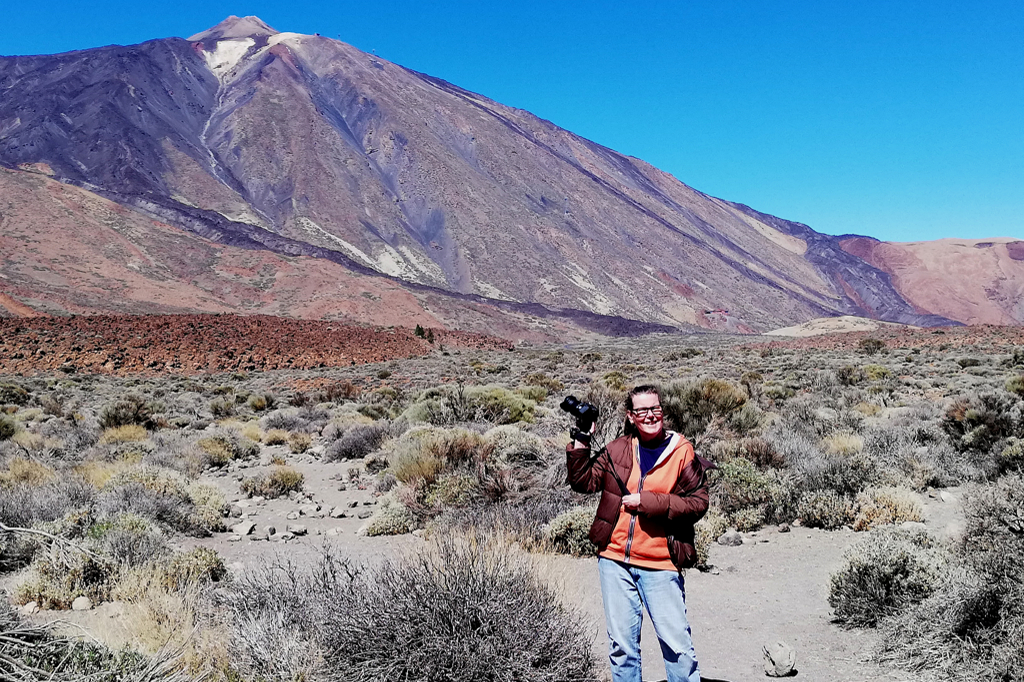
(652, 493)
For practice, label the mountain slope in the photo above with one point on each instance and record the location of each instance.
(302, 145)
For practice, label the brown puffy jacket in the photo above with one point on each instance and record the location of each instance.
(673, 497)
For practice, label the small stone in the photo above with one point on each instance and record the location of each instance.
(243, 504)
(296, 529)
(342, 487)
(779, 659)
(309, 509)
(82, 603)
(30, 608)
(235, 511)
(234, 537)
(364, 514)
(419, 532)
(797, 523)
(947, 497)
(353, 504)
(369, 503)
(286, 536)
(783, 527)
(244, 528)
(259, 499)
(337, 512)
(270, 530)
(732, 538)
(333, 532)
(292, 515)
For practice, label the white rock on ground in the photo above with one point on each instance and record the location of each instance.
(779, 659)
(82, 603)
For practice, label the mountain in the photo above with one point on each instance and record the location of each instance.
(301, 150)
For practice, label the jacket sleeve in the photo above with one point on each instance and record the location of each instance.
(688, 500)
(581, 474)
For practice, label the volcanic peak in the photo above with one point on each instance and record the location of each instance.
(234, 27)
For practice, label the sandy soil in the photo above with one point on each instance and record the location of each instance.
(832, 325)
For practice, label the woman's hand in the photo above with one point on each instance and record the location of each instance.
(631, 503)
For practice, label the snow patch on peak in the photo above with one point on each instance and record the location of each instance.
(226, 55)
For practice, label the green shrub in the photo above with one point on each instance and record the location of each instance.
(7, 427)
(877, 372)
(972, 626)
(738, 484)
(976, 422)
(568, 532)
(887, 571)
(871, 345)
(133, 409)
(1015, 385)
(222, 407)
(279, 481)
(13, 394)
(195, 567)
(691, 406)
(850, 375)
(392, 518)
(544, 381)
(707, 531)
(512, 444)
(535, 393)
(1012, 456)
(824, 509)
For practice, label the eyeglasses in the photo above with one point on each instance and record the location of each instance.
(647, 411)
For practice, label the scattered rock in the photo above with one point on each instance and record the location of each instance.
(235, 511)
(947, 497)
(296, 529)
(353, 504)
(365, 514)
(270, 530)
(783, 527)
(82, 603)
(369, 503)
(731, 538)
(234, 537)
(342, 487)
(309, 509)
(337, 512)
(244, 528)
(779, 659)
(292, 515)
(334, 532)
(797, 523)
(285, 537)
(30, 608)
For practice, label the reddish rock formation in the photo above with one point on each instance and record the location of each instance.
(195, 344)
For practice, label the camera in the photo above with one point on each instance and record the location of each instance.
(585, 413)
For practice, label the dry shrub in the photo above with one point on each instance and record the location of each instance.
(883, 574)
(225, 445)
(886, 506)
(843, 443)
(59, 575)
(462, 610)
(299, 442)
(209, 503)
(276, 437)
(129, 433)
(27, 471)
(361, 440)
(278, 482)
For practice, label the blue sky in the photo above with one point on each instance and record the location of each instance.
(899, 120)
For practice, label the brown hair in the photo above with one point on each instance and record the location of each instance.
(644, 389)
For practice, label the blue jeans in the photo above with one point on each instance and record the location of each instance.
(626, 591)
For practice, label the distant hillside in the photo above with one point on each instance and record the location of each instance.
(266, 145)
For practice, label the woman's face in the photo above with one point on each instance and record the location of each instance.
(646, 415)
